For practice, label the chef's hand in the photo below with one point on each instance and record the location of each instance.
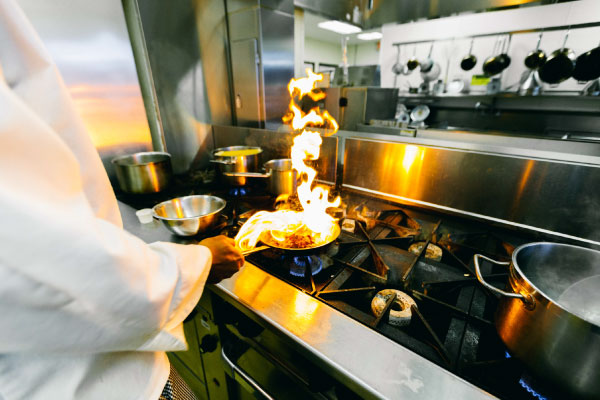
(226, 258)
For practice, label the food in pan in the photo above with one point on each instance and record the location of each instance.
(237, 153)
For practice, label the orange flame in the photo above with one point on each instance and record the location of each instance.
(312, 226)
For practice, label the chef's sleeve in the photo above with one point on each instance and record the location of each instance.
(70, 281)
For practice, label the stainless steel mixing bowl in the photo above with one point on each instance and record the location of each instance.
(189, 215)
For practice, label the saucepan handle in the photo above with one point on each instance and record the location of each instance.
(248, 174)
(493, 288)
(226, 162)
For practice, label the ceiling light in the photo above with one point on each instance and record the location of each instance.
(369, 36)
(339, 27)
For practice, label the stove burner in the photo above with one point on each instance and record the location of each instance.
(239, 192)
(400, 310)
(298, 265)
(523, 382)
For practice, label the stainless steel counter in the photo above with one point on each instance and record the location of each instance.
(375, 364)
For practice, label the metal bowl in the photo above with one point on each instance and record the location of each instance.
(146, 172)
(189, 215)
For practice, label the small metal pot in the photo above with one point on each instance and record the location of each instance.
(189, 215)
(281, 177)
(236, 163)
(141, 173)
(550, 316)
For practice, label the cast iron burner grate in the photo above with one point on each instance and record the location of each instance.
(451, 323)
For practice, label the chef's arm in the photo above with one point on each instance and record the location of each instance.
(70, 281)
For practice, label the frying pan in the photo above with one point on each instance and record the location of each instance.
(297, 251)
(492, 65)
(587, 66)
(536, 58)
(469, 61)
(559, 66)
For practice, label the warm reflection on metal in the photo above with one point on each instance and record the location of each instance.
(345, 348)
(93, 54)
(550, 196)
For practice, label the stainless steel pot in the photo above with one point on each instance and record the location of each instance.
(281, 177)
(146, 172)
(550, 316)
(236, 163)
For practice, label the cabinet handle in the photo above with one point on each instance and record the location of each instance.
(235, 369)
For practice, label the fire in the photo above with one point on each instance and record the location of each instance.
(312, 226)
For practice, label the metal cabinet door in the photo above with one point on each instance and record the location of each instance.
(246, 84)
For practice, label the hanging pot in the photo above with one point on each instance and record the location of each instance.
(469, 61)
(492, 65)
(559, 66)
(536, 58)
(412, 62)
(587, 66)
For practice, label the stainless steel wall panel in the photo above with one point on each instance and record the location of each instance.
(186, 44)
(244, 24)
(92, 51)
(246, 83)
(273, 31)
(552, 196)
(277, 58)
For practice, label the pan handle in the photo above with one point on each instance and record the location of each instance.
(528, 300)
(248, 174)
(254, 250)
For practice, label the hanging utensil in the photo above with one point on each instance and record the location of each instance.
(560, 65)
(412, 62)
(469, 61)
(504, 58)
(536, 58)
(397, 67)
(492, 66)
(587, 66)
(427, 64)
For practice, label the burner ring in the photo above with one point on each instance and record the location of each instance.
(403, 301)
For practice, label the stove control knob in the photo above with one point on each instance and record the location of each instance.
(208, 344)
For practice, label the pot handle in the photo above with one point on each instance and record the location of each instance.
(248, 174)
(476, 258)
(226, 162)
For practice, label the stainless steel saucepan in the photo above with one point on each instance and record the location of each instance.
(549, 317)
(281, 177)
(236, 159)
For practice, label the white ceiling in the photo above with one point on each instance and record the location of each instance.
(312, 30)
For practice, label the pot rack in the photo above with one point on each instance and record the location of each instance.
(547, 29)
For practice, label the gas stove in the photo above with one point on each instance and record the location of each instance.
(408, 274)
(442, 313)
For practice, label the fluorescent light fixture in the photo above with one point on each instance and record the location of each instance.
(369, 36)
(339, 27)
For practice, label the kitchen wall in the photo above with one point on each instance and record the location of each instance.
(322, 52)
(448, 51)
(364, 54)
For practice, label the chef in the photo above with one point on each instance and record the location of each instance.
(87, 310)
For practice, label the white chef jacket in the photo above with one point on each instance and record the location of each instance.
(86, 309)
